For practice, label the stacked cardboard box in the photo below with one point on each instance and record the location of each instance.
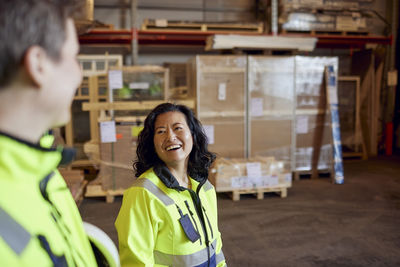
(116, 171)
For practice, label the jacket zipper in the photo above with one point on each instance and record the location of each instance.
(209, 224)
(197, 204)
(191, 215)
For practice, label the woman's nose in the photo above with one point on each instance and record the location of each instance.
(171, 135)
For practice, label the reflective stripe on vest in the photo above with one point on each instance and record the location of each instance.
(207, 186)
(194, 259)
(13, 233)
(149, 185)
(220, 257)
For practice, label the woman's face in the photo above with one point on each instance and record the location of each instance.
(173, 140)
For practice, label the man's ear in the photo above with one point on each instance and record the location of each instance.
(36, 64)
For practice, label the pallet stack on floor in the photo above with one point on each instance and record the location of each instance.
(250, 176)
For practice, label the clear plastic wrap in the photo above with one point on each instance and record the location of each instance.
(271, 106)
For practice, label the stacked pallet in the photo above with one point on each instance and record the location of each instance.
(257, 175)
(327, 16)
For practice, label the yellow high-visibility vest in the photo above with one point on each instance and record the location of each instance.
(150, 230)
(40, 224)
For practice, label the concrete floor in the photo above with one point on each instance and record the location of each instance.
(318, 224)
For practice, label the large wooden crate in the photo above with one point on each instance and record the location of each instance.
(140, 83)
(312, 130)
(115, 158)
(271, 107)
(77, 131)
(220, 85)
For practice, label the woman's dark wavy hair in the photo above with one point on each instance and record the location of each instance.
(200, 159)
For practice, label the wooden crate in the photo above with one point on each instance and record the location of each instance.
(75, 181)
(353, 144)
(271, 107)
(312, 127)
(220, 86)
(95, 90)
(115, 159)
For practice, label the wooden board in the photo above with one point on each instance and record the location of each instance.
(326, 32)
(308, 174)
(131, 105)
(282, 191)
(179, 26)
(96, 190)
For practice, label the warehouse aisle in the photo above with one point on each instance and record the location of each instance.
(318, 224)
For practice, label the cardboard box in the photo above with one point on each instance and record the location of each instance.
(116, 171)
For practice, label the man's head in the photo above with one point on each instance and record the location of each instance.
(26, 23)
(38, 49)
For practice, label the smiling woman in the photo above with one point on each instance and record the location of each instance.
(169, 215)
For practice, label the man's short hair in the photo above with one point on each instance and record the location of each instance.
(25, 23)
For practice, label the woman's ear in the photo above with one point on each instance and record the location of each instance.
(36, 65)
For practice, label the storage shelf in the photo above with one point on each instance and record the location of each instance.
(197, 38)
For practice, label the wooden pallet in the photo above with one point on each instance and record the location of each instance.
(259, 192)
(96, 190)
(179, 26)
(308, 174)
(326, 32)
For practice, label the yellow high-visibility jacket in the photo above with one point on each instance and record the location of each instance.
(154, 212)
(40, 224)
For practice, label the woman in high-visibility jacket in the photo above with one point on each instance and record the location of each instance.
(169, 216)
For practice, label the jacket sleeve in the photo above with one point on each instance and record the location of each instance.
(137, 228)
(220, 258)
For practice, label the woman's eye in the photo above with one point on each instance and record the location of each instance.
(160, 131)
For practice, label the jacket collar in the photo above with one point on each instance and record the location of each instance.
(169, 180)
(23, 157)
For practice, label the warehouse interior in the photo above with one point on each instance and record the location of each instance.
(298, 98)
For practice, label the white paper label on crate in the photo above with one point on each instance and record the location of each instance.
(273, 180)
(209, 131)
(161, 23)
(255, 182)
(333, 97)
(265, 180)
(222, 91)
(302, 124)
(108, 132)
(392, 78)
(115, 79)
(239, 181)
(288, 178)
(256, 107)
(253, 169)
(142, 85)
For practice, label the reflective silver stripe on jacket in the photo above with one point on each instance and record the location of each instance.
(13, 233)
(149, 185)
(194, 259)
(207, 186)
(220, 257)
